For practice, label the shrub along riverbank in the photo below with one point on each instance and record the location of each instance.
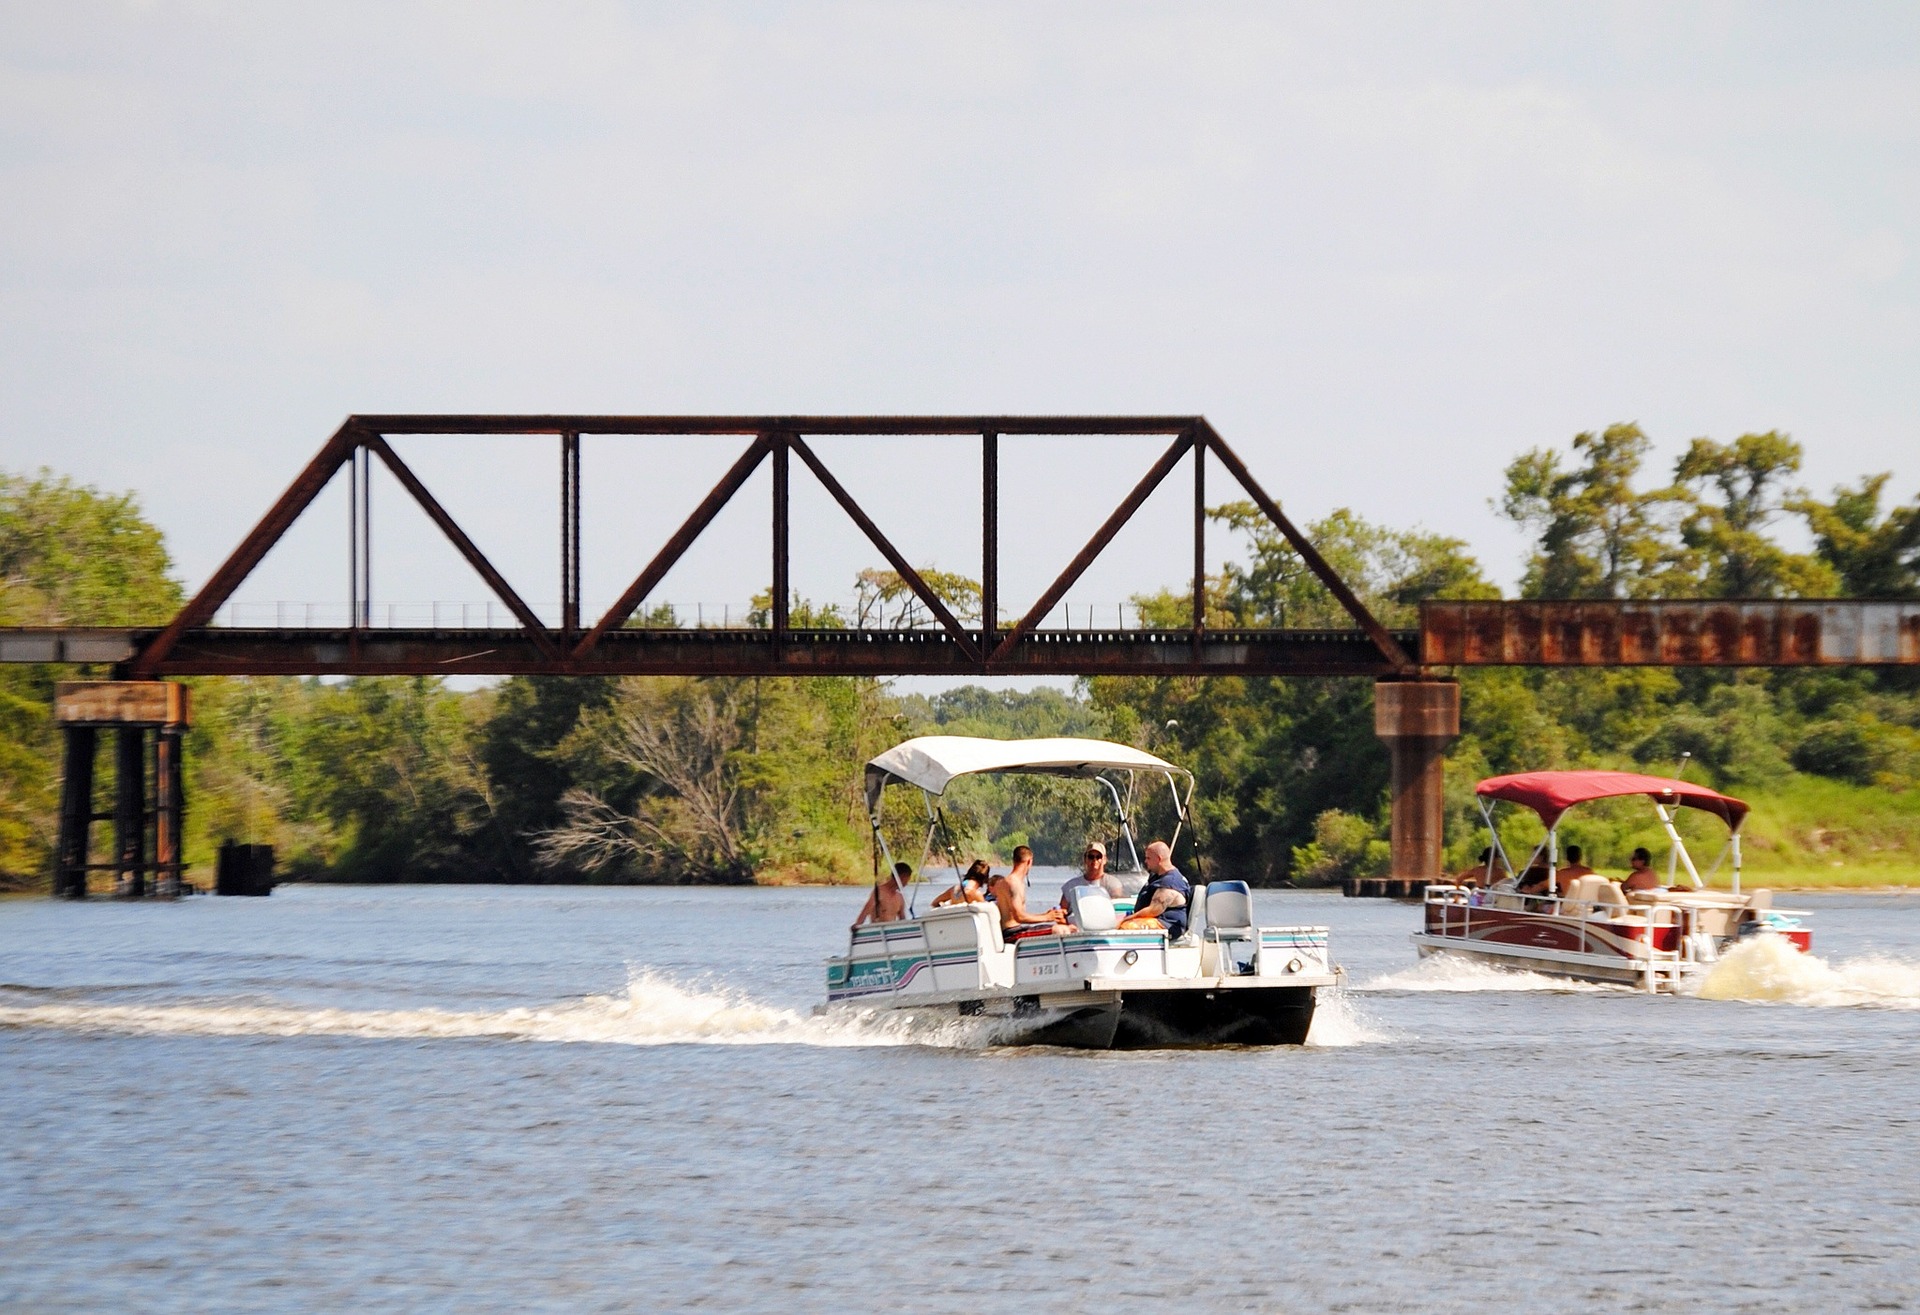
(733, 780)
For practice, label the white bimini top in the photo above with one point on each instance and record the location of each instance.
(932, 761)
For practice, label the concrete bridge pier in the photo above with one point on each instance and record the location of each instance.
(1417, 719)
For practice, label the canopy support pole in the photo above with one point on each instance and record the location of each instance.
(1679, 850)
(1500, 850)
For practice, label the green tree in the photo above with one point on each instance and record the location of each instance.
(1391, 571)
(390, 763)
(1874, 556)
(71, 555)
(528, 773)
(1596, 536)
(1731, 493)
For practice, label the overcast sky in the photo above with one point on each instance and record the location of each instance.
(1383, 248)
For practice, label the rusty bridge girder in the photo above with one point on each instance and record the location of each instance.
(1811, 632)
(613, 644)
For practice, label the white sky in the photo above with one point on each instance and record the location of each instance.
(1383, 248)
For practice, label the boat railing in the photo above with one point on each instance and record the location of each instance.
(1584, 913)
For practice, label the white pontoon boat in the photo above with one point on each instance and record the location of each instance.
(1596, 930)
(1226, 981)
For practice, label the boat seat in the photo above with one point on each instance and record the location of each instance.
(1229, 909)
(1196, 916)
(1594, 896)
(1230, 926)
(1091, 909)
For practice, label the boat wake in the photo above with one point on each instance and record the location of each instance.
(1452, 972)
(1338, 1021)
(1770, 970)
(654, 1011)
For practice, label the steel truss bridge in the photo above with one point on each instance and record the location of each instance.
(1416, 705)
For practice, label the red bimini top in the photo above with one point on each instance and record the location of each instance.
(1552, 793)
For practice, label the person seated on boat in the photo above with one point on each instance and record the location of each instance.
(971, 890)
(887, 901)
(1163, 900)
(1093, 872)
(1009, 891)
(1640, 873)
(1537, 881)
(1575, 869)
(1473, 877)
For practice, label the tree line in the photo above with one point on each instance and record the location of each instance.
(737, 779)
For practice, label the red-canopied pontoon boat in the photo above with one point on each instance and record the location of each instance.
(1590, 927)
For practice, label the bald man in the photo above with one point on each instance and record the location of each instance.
(1163, 900)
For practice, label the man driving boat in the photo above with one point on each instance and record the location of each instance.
(1093, 872)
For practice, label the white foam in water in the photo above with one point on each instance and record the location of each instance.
(1453, 972)
(1338, 1022)
(654, 1011)
(1768, 968)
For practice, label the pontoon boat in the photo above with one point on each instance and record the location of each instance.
(1596, 930)
(1226, 981)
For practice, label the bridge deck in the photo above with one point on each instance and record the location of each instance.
(366, 652)
(1797, 632)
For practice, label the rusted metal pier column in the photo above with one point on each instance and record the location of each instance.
(149, 803)
(1417, 719)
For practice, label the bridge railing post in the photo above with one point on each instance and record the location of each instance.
(989, 541)
(782, 452)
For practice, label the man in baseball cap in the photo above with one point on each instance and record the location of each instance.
(1093, 872)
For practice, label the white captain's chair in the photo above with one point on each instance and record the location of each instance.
(1091, 909)
(1196, 915)
(1230, 928)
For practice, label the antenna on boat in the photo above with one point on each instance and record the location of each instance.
(1680, 770)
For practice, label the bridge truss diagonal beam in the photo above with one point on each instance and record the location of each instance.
(464, 545)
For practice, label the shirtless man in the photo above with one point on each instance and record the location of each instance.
(887, 901)
(1575, 868)
(1640, 873)
(1010, 895)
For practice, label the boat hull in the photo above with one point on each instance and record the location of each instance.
(1585, 967)
(1176, 1019)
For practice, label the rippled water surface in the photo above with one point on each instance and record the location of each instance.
(481, 1098)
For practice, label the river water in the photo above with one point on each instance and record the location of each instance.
(487, 1098)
